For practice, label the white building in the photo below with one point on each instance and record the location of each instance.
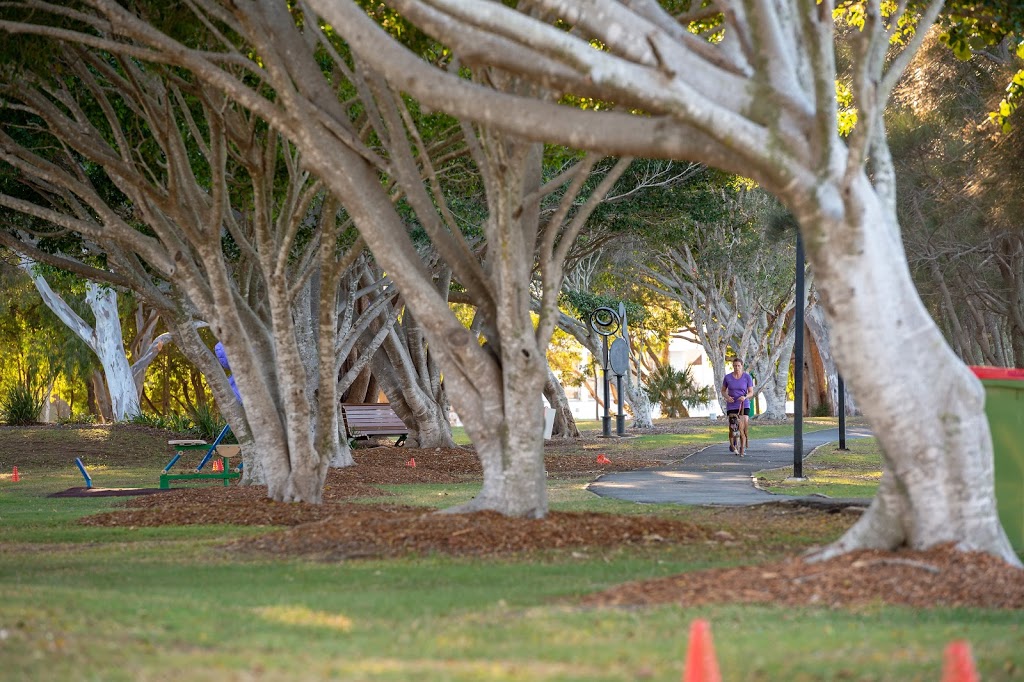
(681, 354)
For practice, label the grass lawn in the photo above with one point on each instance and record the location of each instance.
(830, 471)
(110, 604)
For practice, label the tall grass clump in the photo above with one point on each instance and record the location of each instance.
(20, 406)
(208, 423)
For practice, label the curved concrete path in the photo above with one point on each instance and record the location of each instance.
(714, 475)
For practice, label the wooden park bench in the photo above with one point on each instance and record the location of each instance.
(365, 420)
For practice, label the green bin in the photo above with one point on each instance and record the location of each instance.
(1004, 407)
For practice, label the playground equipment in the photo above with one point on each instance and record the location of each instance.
(85, 474)
(182, 447)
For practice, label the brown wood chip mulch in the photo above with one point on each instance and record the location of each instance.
(939, 577)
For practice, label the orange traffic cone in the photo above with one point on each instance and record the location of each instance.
(601, 459)
(701, 664)
(218, 466)
(411, 462)
(959, 664)
(14, 475)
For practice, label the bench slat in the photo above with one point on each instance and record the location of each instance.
(372, 419)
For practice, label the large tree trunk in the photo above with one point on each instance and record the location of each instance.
(819, 330)
(397, 375)
(104, 338)
(565, 424)
(109, 347)
(640, 403)
(775, 387)
(939, 488)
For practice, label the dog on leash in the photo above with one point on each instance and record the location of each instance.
(735, 439)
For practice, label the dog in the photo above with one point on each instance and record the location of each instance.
(734, 433)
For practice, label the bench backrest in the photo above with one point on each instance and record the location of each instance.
(368, 419)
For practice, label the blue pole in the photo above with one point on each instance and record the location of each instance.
(213, 448)
(85, 474)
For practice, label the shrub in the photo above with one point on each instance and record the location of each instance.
(208, 424)
(78, 418)
(675, 390)
(144, 419)
(21, 406)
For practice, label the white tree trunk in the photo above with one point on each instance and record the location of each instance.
(640, 402)
(565, 424)
(776, 381)
(109, 347)
(104, 339)
(939, 487)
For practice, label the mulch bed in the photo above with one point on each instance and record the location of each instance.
(940, 577)
(382, 531)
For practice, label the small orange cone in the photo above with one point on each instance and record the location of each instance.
(15, 476)
(411, 462)
(701, 664)
(218, 466)
(601, 459)
(959, 664)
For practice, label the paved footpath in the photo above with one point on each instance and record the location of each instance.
(714, 475)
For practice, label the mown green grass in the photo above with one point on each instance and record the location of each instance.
(704, 433)
(83, 603)
(146, 610)
(830, 471)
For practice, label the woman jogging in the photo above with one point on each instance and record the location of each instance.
(738, 389)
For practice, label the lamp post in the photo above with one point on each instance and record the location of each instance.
(842, 412)
(798, 365)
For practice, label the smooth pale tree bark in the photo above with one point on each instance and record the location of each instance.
(104, 338)
(166, 301)
(564, 425)
(407, 372)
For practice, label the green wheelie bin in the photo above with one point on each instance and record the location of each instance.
(1004, 407)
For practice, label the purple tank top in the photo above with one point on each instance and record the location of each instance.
(735, 388)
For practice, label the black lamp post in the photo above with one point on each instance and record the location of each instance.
(842, 412)
(798, 365)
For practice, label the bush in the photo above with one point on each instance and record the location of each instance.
(201, 422)
(78, 418)
(822, 410)
(144, 419)
(208, 423)
(21, 406)
(675, 390)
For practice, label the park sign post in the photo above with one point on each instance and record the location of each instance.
(607, 322)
